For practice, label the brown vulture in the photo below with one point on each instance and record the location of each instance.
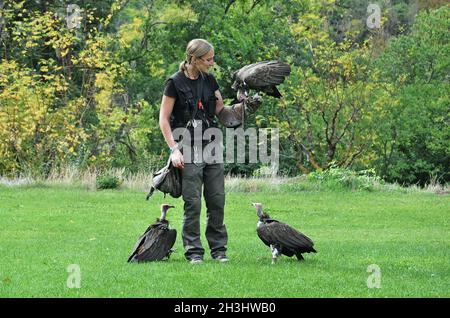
(281, 238)
(260, 76)
(156, 242)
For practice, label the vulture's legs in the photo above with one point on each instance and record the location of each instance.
(275, 254)
(167, 257)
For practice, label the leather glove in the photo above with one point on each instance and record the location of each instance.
(231, 116)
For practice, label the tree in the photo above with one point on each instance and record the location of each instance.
(328, 95)
(413, 139)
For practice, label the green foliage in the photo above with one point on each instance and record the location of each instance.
(336, 178)
(90, 97)
(412, 138)
(108, 182)
(60, 104)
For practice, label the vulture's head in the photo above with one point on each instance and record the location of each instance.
(259, 211)
(164, 208)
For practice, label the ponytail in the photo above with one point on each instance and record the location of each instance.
(182, 66)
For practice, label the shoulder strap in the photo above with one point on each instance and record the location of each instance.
(180, 82)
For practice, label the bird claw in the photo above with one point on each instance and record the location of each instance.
(257, 97)
(242, 98)
(252, 103)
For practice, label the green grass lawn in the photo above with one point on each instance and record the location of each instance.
(45, 229)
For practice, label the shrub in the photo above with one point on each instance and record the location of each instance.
(108, 182)
(338, 178)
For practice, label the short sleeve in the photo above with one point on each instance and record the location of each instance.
(170, 90)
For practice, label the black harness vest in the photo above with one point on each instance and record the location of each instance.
(191, 106)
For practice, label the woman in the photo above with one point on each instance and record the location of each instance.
(192, 99)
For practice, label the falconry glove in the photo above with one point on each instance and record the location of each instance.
(231, 116)
(252, 103)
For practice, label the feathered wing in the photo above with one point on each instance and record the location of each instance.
(154, 244)
(140, 241)
(264, 74)
(286, 237)
(169, 241)
(264, 235)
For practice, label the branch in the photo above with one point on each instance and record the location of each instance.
(311, 158)
(297, 150)
(431, 74)
(348, 122)
(130, 147)
(356, 154)
(326, 126)
(336, 112)
(230, 3)
(255, 3)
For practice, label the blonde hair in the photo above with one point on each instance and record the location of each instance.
(197, 48)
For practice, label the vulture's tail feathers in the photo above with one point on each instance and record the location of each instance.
(273, 91)
(281, 69)
(131, 258)
(150, 193)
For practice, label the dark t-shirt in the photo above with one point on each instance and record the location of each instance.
(170, 90)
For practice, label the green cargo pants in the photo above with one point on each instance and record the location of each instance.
(211, 176)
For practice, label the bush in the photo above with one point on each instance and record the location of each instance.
(338, 178)
(108, 182)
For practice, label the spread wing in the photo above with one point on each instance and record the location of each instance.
(289, 239)
(154, 244)
(262, 74)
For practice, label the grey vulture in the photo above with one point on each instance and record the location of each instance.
(156, 242)
(261, 76)
(281, 238)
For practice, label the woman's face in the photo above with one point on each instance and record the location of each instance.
(205, 62)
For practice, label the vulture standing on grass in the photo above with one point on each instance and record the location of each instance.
(281, 238)
(260, 76)
(156, 242)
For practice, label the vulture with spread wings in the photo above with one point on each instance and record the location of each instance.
(261, 76)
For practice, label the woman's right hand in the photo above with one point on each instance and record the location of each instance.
(177, 159)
